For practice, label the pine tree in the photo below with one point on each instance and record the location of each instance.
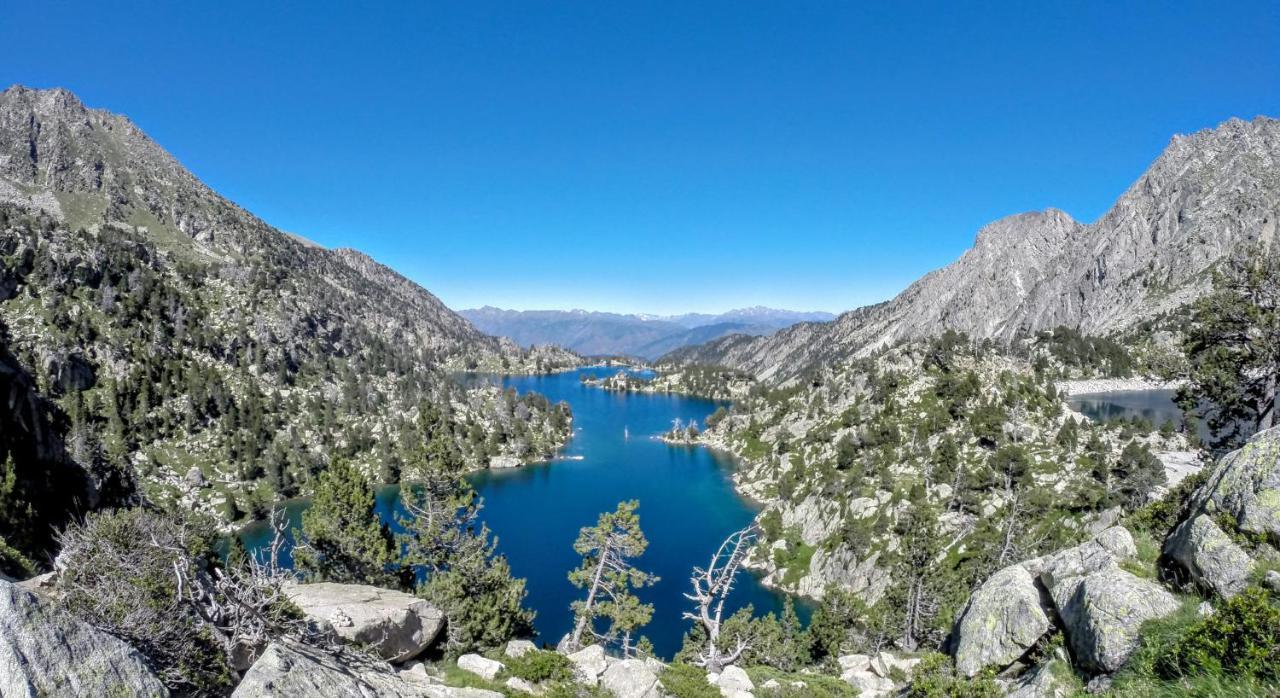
(607, 575)
(1233, 349)
(342, 538)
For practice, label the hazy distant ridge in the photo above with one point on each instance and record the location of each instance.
(647, 336)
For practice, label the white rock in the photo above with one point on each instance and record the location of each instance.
(398, 625)
(589, 663)
(518, 684)
(631, 678)
(480, 666)
(519, 648)
(734, 682)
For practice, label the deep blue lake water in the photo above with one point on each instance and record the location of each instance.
(687, 503)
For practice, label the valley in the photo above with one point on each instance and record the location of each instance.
(234, 460)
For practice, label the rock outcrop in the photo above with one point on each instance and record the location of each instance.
(1101, 607)
(1206, 194)
(1242, 493)
(396, 625)
(874, 676)
(288, 669)
(46, 652)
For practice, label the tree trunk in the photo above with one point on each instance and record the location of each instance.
(1267, 416)
(585, 618)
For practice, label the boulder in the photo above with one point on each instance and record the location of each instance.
(734, 683)
(1044, 681)
(516, 683)
(483, 667)
(589, 663)
(1001, 621)
(398, 626)
(1102, 616)
(44, 651)
(869, 684)
(519, 648)
(631, 678)
(1272, 580)
(288, 669)
(1246, 486)
(1210, 557)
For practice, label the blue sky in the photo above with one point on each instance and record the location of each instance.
(657, 157)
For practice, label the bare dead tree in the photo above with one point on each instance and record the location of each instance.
(711, 587)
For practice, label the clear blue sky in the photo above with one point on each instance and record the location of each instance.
(657, 157)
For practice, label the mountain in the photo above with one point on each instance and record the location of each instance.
(645, 336)
(213, 358)
(1204, 197)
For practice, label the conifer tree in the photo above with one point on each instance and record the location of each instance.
(342, 538)
(608, 576)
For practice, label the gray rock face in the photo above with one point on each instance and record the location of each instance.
(1102, 617)
(631, 678)
(398, 626)
(842, 567)
(288, 669)
(1246, 485)
(1212, 559)
(1002, 620)
(1101, 607)
(1204, 195)
(46, 652)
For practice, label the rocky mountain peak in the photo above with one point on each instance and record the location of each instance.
(1206, 196)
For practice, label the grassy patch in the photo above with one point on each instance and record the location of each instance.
(816, 685)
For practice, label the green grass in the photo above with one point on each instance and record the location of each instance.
(816, 685)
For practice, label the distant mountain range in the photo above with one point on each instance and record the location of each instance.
(645, 336)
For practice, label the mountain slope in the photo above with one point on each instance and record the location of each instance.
(646, 336)
(221, 359)
(1206, 195)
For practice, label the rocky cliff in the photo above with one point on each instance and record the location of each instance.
(1205, 196)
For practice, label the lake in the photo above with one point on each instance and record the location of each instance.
(1155, 406)
(687, 503)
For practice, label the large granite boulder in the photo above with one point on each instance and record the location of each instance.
(396, 625)
(288, 669)
(1210, 557)
(1002, 620)
(1103, 613)
(632, 678)
(1246, 486)
(44, 651)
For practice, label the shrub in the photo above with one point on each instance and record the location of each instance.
(936, 678)
(1241, 639)
(122, 575)
(687, 681)
(539, 665)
